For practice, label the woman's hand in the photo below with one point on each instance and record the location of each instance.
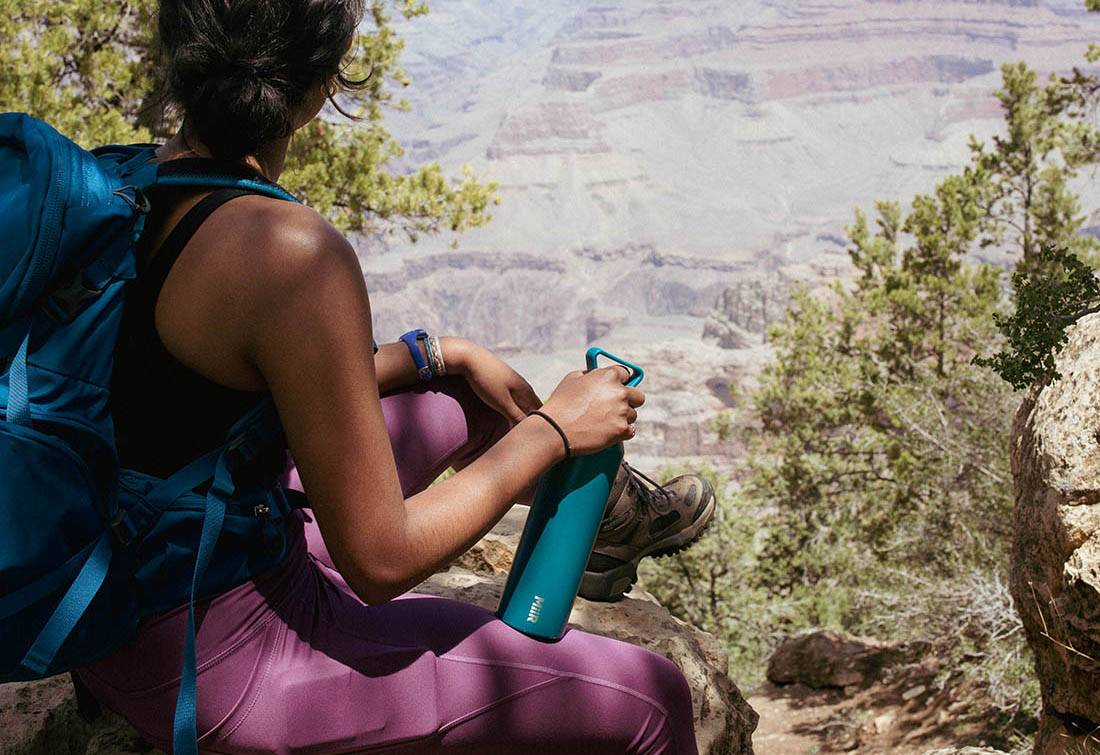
(497, 384)
(594, 408)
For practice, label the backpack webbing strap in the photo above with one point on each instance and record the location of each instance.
(250, 185)
(184, 733)
(187, 479)
(71, 608)
(19, 407)
(63, 575)
(212, 172)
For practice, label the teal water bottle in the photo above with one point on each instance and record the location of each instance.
(561, 529)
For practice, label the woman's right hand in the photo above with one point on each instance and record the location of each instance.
(594, 408)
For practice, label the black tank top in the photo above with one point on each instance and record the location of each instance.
(165, 413)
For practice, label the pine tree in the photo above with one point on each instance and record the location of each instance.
(1025, 172)
(1057, 285)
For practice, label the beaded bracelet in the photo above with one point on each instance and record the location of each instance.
(435, 356)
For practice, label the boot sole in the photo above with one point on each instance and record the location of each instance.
(612, 585)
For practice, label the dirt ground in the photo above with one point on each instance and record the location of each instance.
(907, 716)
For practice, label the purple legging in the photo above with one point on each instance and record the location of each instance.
(294, 662)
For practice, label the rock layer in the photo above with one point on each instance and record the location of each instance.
(1055, 576)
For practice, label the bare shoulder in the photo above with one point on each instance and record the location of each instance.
(256, 268)
(285, 243)
(256, 251)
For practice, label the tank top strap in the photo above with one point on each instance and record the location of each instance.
(153, 272)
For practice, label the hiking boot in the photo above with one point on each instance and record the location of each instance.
(644, 519)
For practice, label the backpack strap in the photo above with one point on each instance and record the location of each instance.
(135, 165)
(218, 466)
(184, 731)
(71, 608)
(19, 407)
(205, 171)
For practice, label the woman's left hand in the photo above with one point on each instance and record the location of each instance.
(497, 384)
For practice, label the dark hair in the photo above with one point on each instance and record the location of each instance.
(240, 68)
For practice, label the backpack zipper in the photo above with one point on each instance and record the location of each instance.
(50, 237)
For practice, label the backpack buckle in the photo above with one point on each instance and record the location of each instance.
(122, 528)
(63, 303)
(238, 452)
(139, 203)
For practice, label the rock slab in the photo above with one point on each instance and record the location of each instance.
(1055, 574)
(41, 718)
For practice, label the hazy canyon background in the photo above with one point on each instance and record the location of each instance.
(668, 168)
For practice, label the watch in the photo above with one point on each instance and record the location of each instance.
(411, 339)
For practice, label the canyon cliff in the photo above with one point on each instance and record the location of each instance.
(653, 154)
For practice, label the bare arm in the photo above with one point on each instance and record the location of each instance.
(395, 368)
(309, 335)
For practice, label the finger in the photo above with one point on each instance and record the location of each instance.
(631, 416)
(617, 372)
(527, 399)
(629, 433)
(514, 413)
(635, 396)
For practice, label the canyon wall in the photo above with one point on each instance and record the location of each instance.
(651, 154)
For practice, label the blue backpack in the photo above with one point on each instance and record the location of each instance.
(88, 548)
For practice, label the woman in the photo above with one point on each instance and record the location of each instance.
(253, 296)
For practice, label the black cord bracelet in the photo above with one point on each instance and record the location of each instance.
(556, 426)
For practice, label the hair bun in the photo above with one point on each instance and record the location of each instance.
(240, 68)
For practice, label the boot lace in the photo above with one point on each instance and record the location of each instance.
(647, 494)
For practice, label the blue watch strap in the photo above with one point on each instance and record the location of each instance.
(423, 369)
(374, 345)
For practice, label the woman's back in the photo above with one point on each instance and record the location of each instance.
(166, 413)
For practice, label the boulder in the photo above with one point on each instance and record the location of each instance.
(744, 309)
(1055, 572)
(41, 717)
(821, 659)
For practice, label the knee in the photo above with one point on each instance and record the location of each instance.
(653, 714)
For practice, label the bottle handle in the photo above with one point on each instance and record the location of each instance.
(636, 372)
